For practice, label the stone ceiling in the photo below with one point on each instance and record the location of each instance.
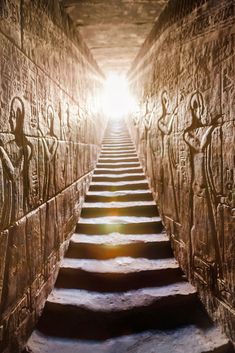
(114, 30)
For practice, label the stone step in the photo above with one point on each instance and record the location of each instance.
(117, 140)
(116, 149)
(190, 339)
(118, 159)
(121, 155)
(118, 196)
(134, 208)
(118, 274)
(116, 135)
(119, 185)
(118, 165)
(122, 224)
(150, 246)
(120, 177)
(117, 145)
(118, 171)
(119, 136)
(119, 152)
(119, 278)
(78, 312)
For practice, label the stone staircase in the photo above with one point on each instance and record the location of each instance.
(119, 288)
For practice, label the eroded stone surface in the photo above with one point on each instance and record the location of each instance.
(184, 133)
(119, 265)
(118, 238)
(116, 301)
(46, 74)
(151, 341)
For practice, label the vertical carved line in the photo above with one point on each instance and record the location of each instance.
(21, 24)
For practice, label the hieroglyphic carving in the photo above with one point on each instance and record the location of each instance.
(150, 145)
(10, 18)
(42, 153)
(15, 156)
(50, 144)
(3, 252)
(165, 124)
(205, 245)
(19, 314)
(194, 148)
(16, 277)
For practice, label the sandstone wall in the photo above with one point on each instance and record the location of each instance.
(184, 78)
(49, 141)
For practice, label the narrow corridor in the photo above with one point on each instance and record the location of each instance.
(119, 288)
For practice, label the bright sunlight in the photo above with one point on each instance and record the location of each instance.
(117, 99)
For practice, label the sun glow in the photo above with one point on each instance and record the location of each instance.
(117, 100)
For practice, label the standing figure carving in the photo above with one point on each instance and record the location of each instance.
(151, 150)
(205, 245)
(136, 122)
(14, 158)
(165, 125)
(143, 136)
(50, 144)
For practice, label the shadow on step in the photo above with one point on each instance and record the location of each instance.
(116, 282)
(151, 250)
(104, 325)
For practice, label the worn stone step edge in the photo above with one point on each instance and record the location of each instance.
(122, 177)
(124, 195)
(118, 155)
(117, 171)
(118, 165)
(82, 247)
(131, 228)
(209, 340)
(118, 186)
(108, 276)
(101, 210)
(126, 301)
(118, 160)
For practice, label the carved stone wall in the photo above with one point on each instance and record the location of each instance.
(49, 141)
(184, 78)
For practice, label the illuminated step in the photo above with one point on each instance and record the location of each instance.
(118, 165)
(151, 246)
(119, 185)
(134, 208)
(124, 195)
(118, 155)
(119, 177)
(118, 160)
(118, 170)
(118, 274)
(121, 224)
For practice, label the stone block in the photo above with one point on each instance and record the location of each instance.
(17, 265)
(10, 20)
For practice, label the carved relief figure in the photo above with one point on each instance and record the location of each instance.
(68, 157)
(143, 135)
(165, 124)
(66, 128)
(152, 146)
(136, 120)
(79, 125)
(205, 246)
(14, 157)
(50, 144)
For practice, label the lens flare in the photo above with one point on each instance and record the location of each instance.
(116, 99)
